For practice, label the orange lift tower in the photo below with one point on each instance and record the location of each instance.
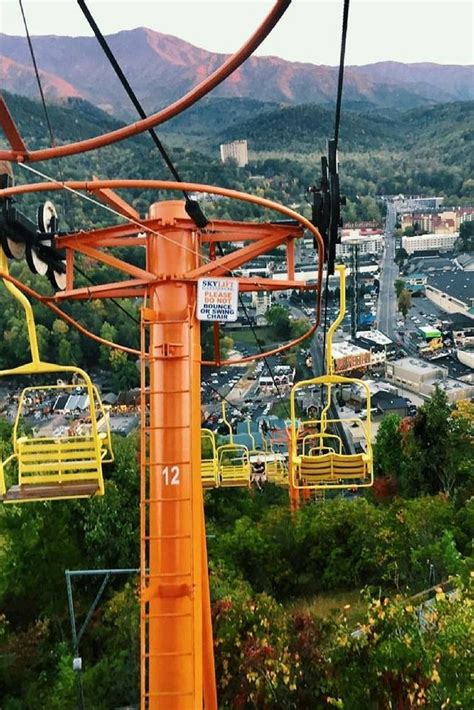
(181, 269)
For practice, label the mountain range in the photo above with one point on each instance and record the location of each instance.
(161, 68)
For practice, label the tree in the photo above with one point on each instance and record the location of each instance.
(299, 327)
(438, 450)
(401, 256)
(404, 302)
(278, 319)
(388, 450)
(399, 285)
(465, 243)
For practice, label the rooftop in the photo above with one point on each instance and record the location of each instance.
(450, 385)
(387, 401)
(417, 365)
(458, 284)
(429, 263)
(465, 260)
(376, 335)
(461, 321)
(343, 349)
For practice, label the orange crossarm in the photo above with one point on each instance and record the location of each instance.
(225, 264)
(230, 65)
(10, 129)
(196, 187)
(109, 197)
(170, 185)
(112, 261)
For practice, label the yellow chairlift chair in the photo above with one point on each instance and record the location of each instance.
(63, 465)
(209, 460)
(275, 466)
(233, 460)
(318, 460)
(276, 470)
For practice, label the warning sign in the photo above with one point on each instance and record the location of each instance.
(217, 299)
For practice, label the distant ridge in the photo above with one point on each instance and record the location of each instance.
(162, 67)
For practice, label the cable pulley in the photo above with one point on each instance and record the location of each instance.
(20, 237)
(327, 202)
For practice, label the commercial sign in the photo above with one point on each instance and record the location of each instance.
(217, 299)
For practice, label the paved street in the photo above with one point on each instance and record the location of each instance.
(387, 301)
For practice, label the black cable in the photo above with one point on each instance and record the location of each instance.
(223, 397)
(38, 80)
(67, 203)
(257, 341)
(192, 207)
(53, 144)
(340, 79)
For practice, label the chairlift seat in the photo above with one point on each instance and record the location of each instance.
(55, 468)
(209, 466)
(234, 465)
(334, 467)
(58, 466)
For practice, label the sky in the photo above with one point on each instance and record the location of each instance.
(379, 30)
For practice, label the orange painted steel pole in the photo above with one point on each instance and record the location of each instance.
(172, 586)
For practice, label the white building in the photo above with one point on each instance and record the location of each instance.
(369, 241)
(283, 377)
(236, 150)
(423, 377)
(429, 242)
(261, 301)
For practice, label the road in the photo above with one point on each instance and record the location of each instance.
(387, 301)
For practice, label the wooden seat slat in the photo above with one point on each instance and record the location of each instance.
(32, 492)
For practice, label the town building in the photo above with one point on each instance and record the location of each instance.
(409, 204)
(429, 264)
(416, 282)
(368, 241)
(423, 377)
(237, 150)
(462, 330)
(348, 357)
(283, 377)
(452, 292)
(389, 403)
(429, 242)
(261, 301)
(447, 220)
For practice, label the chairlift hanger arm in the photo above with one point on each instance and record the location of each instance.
(228, 67)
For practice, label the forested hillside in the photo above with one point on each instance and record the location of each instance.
(420, 151)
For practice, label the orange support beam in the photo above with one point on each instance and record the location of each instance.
(175, 607)
(10, 129)
(110, 198)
